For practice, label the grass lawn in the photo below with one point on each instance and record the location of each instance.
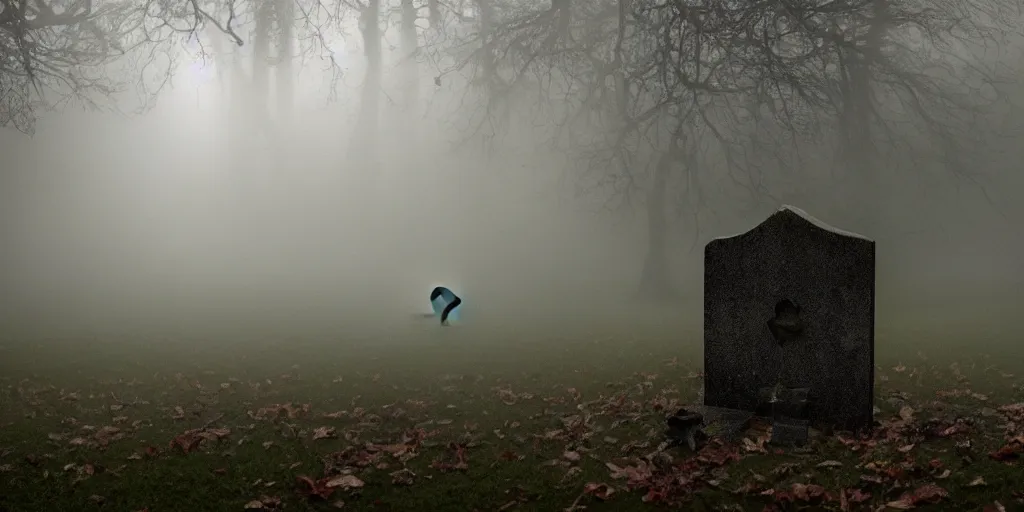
(474, 418)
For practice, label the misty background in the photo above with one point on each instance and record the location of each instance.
(546, 160)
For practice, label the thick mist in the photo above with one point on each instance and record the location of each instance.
(197, 219)
(167, 225)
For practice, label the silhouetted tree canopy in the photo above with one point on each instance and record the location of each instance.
(53, 52)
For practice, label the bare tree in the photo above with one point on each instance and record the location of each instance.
(364, 140)
(410, 48)
(261, 45)
(54, 53)
(691, 80)
(284, 14)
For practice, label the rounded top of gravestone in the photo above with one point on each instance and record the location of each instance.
(793, 210)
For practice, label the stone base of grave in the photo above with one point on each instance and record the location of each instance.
(731, 424)
(790, 432)
(723, 422)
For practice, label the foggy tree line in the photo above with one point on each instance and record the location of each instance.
(655, 102)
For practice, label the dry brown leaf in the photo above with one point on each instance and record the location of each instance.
(600, 491)
(403, 477)
(324, 433)
(345, 482)
(906, 413)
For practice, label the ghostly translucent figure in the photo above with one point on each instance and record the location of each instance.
(445, 303)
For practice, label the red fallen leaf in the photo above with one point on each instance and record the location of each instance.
(187, 442)
(779, 495)
(718, 455)
(600, 491)
(152, 451)
(927, 493)
(508, 455)
(857, 496)
(216, 432)
(807, 492)
(994, 507)
(655, 496)
(314, 488)
(220, 471)
(461, 460)
(1012, 451)
(460, 453)
(895, 473)
(636, 476)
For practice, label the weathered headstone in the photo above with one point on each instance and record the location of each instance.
(790, 306)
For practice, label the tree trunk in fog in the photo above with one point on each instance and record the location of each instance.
(364, 145)
(260, 60)
(285, 14)
(410, 77)
(219, 56)
(241, 96)
(434, 10)
(655, 279)
(618, 73)
(858, 151)
(487, 65)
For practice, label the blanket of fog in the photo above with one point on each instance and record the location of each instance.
(193, 218)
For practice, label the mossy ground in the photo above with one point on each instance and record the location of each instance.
(510, 400)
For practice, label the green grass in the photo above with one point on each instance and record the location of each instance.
(451, 386)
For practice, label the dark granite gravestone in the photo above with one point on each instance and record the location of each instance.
(790, 305)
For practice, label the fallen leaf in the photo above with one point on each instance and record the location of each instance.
(600, 491)
(314, 488)
(324, 433)
(403, 477)
(928, 493)
(345, 482)
(906, 413)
